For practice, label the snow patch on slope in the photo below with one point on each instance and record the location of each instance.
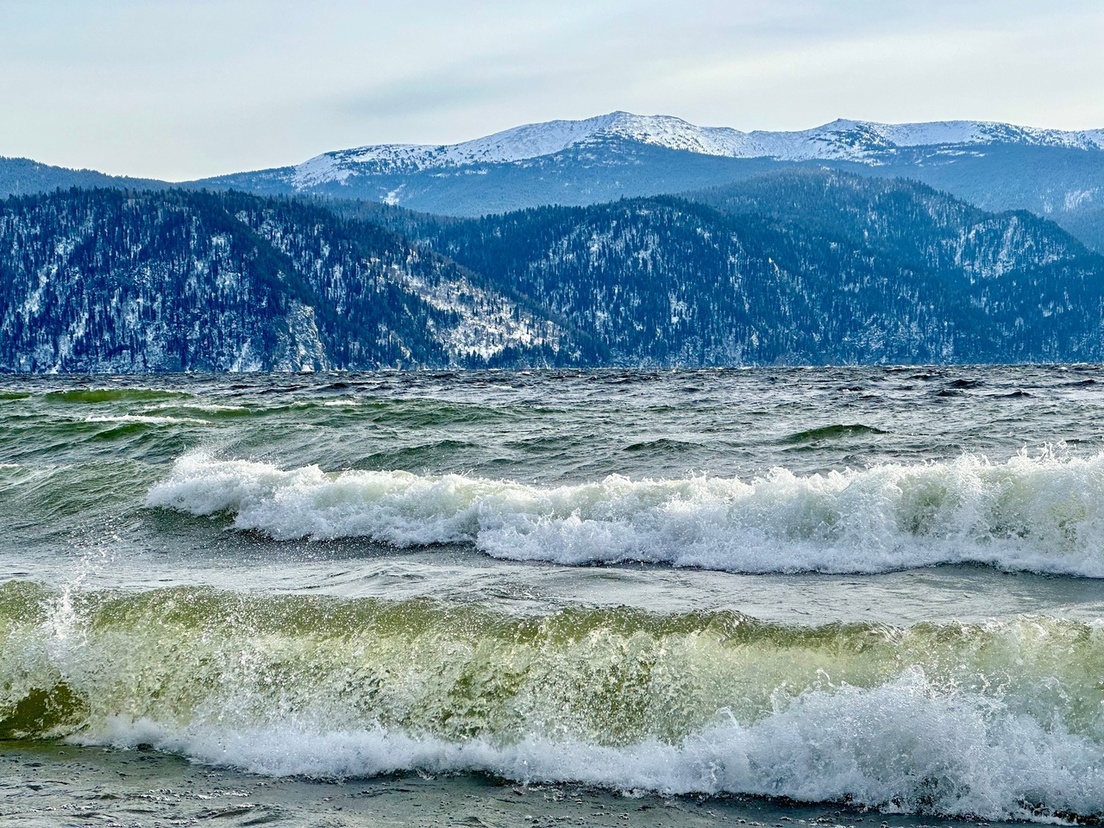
(485, 323)
(321, 169)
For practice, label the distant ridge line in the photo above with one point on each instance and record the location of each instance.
(839, 140)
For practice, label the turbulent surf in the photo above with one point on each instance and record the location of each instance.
(1041, 514)
(877, 588)
(931, 718)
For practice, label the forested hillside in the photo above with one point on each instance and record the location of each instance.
(21, 176)
(109, 280)
(807, 267)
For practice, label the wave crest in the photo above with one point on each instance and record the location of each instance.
(895, 748)
(1043, 513)
(1000, 720)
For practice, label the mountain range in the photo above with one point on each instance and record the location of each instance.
(804, 267)
(618, 240)
(1053, 173)
(840, 140)
(1057, 174)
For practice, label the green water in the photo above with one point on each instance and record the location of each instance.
(824, 586)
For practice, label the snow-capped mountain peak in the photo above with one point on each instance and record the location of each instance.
(516, 144)
(840, 140)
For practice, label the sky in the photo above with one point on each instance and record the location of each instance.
(182, 89)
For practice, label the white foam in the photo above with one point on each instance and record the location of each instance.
(144, 419)
(1042, 513)
(906, 746)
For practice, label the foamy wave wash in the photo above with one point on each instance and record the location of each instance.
(1043, 514)
(1000, 721)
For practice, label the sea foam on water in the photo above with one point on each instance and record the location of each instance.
(1039, 513)
(999, 720)
(906, 747)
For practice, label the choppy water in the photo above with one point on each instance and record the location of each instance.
(881, 588)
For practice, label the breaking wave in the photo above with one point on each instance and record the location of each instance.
(1037, 513)
(1000, 720)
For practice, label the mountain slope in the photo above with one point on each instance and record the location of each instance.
(1065, 185)
(1055, 173)
(807, 267)
(21, 176)
(110, 280)
(840, 140)
(813, 267)
(911, 225)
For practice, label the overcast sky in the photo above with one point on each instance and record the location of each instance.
(180, 89)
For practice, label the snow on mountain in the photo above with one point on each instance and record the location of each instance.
(517, 144)
(841, 140)
(865, 141)
(981, 132)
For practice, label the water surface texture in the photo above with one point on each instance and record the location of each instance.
(677, 598)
